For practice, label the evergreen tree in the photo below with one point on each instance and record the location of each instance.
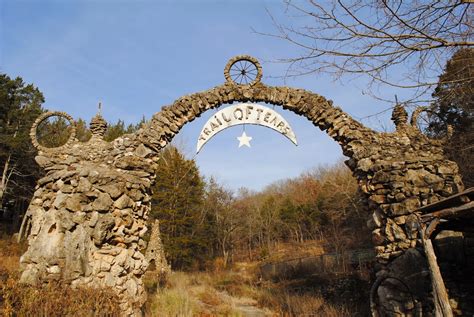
(177, 202)
(114, 130)
(454, 105)
(20, 105)
(118, 129)
(83, 134)
(53, 132)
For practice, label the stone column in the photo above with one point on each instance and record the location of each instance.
(408, 172)
(155, 254)
(88, 217)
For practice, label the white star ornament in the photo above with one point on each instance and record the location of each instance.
(244, 140)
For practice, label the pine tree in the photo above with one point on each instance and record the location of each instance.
(177, 202)
(83, 134)
(454, 105)
(118, 129)
(20, 105)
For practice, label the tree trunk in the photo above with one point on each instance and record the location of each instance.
(225, 253)
(5, 178)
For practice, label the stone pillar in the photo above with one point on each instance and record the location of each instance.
(409, 171)
(88, 217)
(155, 254)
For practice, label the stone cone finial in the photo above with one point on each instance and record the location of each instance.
(98, 125)
(399, 116)
(155, 253)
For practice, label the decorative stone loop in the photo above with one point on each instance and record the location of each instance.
(45, 116)
(243, 70)
(414, 122)
(416, 114)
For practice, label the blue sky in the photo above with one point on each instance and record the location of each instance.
(136, 56)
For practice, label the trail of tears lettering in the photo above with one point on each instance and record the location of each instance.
(244, 113)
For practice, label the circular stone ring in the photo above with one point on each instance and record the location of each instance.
(43, 117)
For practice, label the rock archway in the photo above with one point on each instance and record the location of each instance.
(89, 213)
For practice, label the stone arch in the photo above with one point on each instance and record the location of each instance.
(398, 172)
(97, 194)
(320, 111)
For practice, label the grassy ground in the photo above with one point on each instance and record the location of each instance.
(238, 292)
(234, 292)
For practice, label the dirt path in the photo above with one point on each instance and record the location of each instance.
(247, 307)
(205, 295)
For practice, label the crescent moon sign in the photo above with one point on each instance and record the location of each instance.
(245, 113)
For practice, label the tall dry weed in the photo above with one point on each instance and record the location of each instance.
(174, 299)
(55, 300)
(309, 305)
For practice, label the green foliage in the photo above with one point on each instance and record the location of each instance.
(118, 129)
(53, 132)
(454, 105)
(83, 134)
(20, 105)
(114, 130)
(454, 95)
(177, 202)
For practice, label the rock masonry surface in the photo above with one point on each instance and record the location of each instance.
(89, 212)
(88, 217)
(155, 253)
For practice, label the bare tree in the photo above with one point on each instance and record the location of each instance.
(218, 201)
(402, 44)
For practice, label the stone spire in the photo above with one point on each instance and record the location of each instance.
(98, 125)
(399, 116)
(155, 254)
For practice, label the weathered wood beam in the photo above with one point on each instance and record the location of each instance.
(454, 200)
(442, 307)
(454, 212)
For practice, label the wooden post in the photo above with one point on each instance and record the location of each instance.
(442, 307)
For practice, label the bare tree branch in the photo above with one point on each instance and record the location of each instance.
(402, 44)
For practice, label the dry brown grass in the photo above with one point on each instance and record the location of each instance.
(288, 250)
(173, 299)
(9, 247)
(10, 252)
(210, 297)
(185, 294)
(55, 299)
(316, 295)
(52, 299)
(276, 297)
(287, 304)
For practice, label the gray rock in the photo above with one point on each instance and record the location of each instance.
(93, 219)
(60, 200)
(123, 202)
(102, 203)
(102, 229)
(114, 190)
(142, 151)
(43, 160)
(84, 185)
(74, 203)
